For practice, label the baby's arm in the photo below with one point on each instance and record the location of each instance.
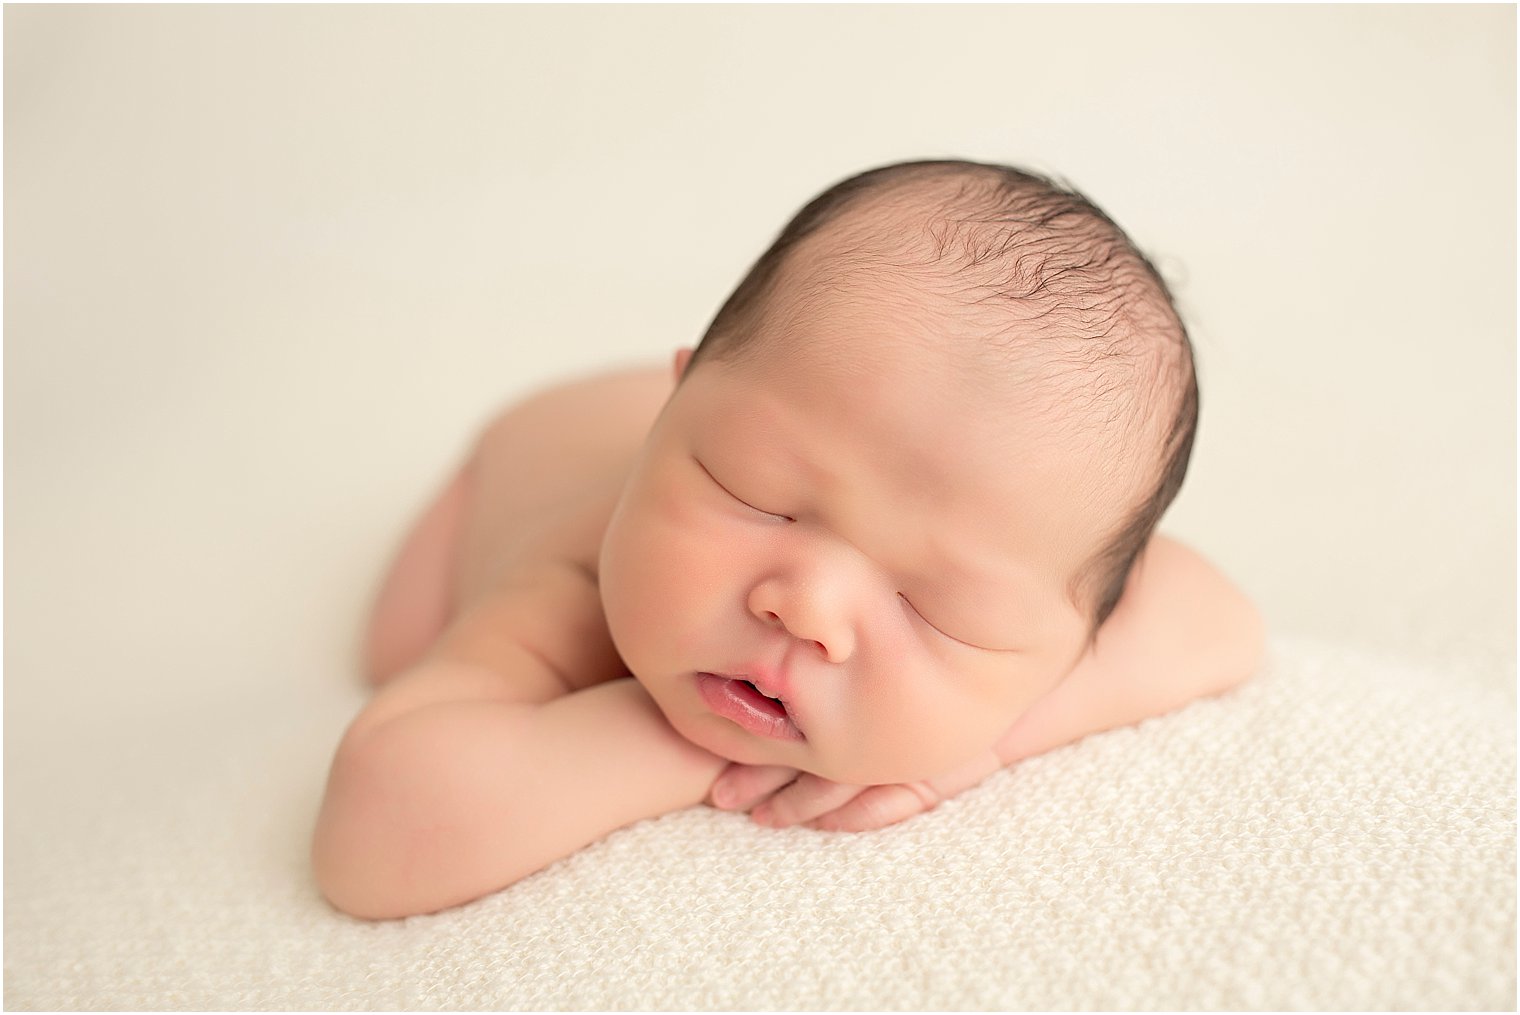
(492, 758)
(1180, 632)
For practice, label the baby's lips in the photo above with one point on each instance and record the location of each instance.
(742, 704)
(770, 682)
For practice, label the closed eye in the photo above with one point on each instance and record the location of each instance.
(936, 628)
(741, 500)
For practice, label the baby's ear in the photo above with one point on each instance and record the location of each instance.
(683, 357)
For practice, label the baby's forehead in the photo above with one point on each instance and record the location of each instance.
(965, 449)
(1003, 310)
(895, 374)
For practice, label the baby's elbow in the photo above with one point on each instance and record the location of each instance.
(1244, 640)
(353, 850)
(418, 815)
(346, 884)
(374, 849)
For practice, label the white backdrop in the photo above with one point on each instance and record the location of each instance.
(266, 268)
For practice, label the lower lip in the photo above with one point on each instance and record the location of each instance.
(739, 703)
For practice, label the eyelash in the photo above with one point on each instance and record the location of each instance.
(720, 486)
(931, 623)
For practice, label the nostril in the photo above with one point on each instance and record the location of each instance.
(822, 649)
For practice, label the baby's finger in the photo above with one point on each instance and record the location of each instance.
(802, 801)
(739, 787)
(877, 807)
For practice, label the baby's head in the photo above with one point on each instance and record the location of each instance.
(905, 475)
(1017, 282)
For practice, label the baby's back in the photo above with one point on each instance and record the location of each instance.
(547, 472)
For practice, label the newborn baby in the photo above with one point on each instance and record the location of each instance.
(889, 528)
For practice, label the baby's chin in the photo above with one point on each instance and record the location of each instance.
(722, 739)
(736, 746)
(716, 737)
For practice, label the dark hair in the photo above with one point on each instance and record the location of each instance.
(1023, 241)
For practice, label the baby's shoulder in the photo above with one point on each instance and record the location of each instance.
(573, 431)
(546, 472)
(597, 403)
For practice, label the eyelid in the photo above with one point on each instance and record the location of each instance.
(720, 486)
(938, 629)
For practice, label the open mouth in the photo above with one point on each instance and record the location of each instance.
(761, 700)
(742, 703)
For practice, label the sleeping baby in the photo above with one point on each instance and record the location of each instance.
(888, 528)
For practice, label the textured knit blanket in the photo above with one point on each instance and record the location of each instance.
(1338, 833)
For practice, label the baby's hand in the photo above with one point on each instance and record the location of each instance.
(780, 797)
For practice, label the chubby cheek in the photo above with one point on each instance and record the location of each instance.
(662, 585)
(926, 715)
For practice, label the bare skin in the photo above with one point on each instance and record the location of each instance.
(506, 731)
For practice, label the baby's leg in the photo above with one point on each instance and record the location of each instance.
(416, 600)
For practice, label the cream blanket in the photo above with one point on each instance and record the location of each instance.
(1339, 833)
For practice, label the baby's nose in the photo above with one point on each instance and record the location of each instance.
(808, 614)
